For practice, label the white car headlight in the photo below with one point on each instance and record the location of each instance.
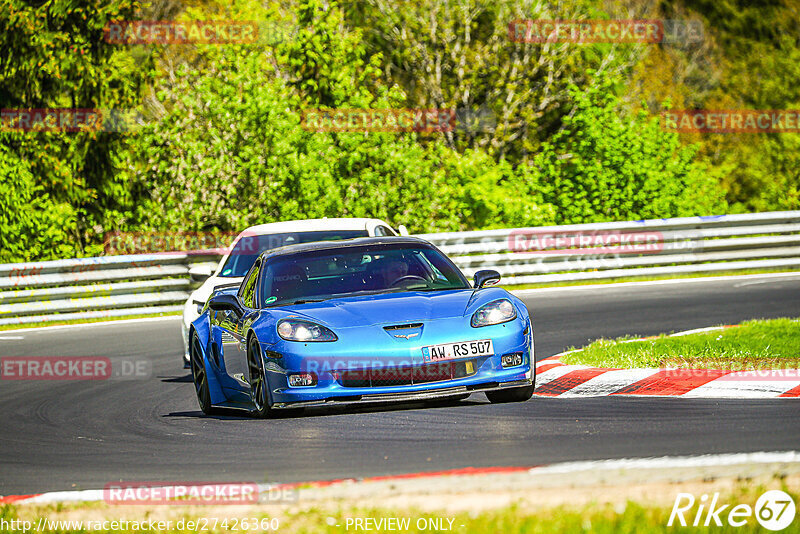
(301, 330)
(495, 312)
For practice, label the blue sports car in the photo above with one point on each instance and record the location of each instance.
(355, 321)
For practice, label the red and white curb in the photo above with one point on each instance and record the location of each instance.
(781, 459)
(556, 379)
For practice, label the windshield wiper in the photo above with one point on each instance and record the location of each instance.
(441, 288)
(301, 301)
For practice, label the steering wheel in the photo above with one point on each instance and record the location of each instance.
(406, 278)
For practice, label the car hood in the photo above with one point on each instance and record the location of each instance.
(393, 308)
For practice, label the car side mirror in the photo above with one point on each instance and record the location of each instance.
(225, 301)
(486, 278)
(199, 273)
(402, 230)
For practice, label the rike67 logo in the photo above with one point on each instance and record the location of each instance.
(774, 510)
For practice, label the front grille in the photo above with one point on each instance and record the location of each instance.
(406, 375)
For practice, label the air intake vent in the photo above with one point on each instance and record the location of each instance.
(402, 326)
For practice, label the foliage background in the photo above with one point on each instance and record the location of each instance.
(558, 133)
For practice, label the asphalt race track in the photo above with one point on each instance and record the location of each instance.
(59, 435)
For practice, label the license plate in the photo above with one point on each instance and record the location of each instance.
(453, 351)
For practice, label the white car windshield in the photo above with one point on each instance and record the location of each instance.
(248, 248)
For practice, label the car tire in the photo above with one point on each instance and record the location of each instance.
(257, 378)
(200, 376)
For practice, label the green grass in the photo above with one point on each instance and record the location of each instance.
(754, 345)
(85, 321)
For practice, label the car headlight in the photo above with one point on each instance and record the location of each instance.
(495, 312)
(301, 330)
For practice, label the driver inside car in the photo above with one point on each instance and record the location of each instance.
(393, 271)
(383, 272)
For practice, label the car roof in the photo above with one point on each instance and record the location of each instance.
(312, 225)
(343, 244)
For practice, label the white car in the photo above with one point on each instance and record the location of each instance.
(254, 240)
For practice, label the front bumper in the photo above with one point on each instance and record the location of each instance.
(486, 373)
(407, 396)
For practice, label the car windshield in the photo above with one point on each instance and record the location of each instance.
(248, 248)
(325, 274)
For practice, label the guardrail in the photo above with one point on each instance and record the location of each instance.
(114, 286)
(96, 288)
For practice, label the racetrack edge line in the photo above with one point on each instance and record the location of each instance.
(661, 462)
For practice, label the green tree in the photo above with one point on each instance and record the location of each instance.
(230, 150)
(460, 54)
(54, 56)
(32, 225)
(749, 58)
(605, 166)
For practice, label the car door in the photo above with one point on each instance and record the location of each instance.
(234, 344)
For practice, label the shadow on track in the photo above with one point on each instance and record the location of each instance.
(294, 413)
(186, 379)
